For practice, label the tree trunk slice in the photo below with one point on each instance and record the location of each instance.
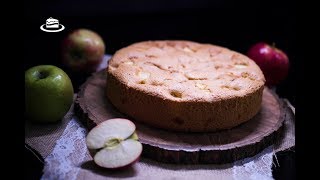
(246, 140)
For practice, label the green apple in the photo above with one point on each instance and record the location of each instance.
(48, 93)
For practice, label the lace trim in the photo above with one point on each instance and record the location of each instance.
(68, 153)
(257, 167)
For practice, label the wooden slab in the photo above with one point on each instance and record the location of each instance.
(246, 140)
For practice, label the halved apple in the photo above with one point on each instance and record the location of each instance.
(114, 143)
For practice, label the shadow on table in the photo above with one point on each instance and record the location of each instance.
(118, 173)
(33, 129)
(186, 166)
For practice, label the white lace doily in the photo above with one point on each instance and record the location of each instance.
(70, 152)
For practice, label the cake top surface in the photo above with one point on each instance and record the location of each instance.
(185, 70)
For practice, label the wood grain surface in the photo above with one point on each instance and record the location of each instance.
(245, 140)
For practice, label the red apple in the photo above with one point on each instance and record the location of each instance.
(113, 144)
(82, 50)
(273, 62)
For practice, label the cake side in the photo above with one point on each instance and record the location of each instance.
(193, 116)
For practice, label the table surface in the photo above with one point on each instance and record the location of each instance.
(34, 163)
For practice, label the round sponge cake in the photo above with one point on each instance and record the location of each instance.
(184, 86)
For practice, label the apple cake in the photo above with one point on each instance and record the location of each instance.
(184, 86)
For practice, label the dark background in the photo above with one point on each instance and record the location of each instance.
(230, 23)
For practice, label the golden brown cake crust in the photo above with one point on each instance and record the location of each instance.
(184, 86)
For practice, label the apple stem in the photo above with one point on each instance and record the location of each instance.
(273, 45)
(42, 75)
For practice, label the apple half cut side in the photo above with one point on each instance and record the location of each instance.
(114, 143)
